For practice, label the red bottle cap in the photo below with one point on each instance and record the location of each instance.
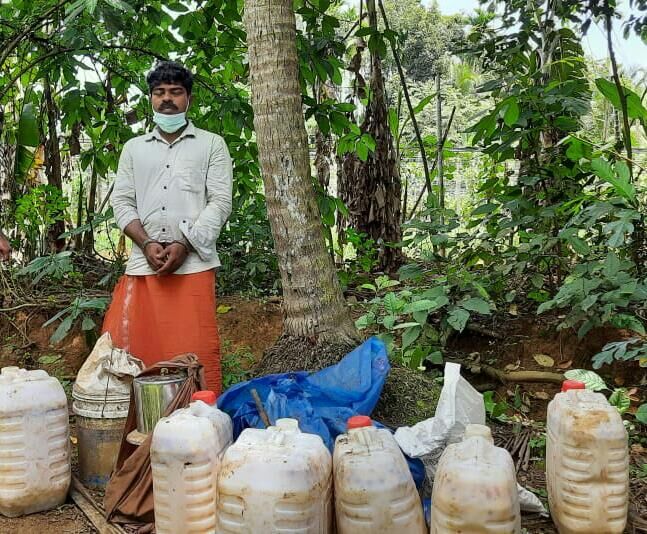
(358, 421)
(208, 397)
(572, 384)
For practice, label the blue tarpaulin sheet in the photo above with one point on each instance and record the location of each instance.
(322, 401)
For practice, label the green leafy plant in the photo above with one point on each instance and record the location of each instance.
(416, 322)
(54, 267)
(236, 364)
(82, 309)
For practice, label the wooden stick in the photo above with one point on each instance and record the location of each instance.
(86, 504)
(260, 408)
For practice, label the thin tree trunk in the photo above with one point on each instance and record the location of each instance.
(53, 165)
(314, 306)
(88, 237)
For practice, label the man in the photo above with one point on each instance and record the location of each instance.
(172, 196)
(5, 247)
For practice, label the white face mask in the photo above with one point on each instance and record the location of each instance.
(170, 123)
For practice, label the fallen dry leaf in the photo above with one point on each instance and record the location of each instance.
(222, 308)
(73, 440)
(513, 366)
(544, 360)
(541, 395)
(512, 310)
(565, 365)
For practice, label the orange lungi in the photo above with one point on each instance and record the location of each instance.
(156, 318)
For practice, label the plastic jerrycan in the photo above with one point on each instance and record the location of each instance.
(186, 451)
(276, 480)
(587, 462)
(475, 488)
(374, 490)
(34, 442)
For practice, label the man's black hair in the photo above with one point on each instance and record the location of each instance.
(169, 72)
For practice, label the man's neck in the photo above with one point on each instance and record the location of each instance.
(172, 137)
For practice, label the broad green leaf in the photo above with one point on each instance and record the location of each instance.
(484, 209)
(620, 399)
(630, 322)
(362, 151)
(62, 330)
(393, 304)
(591, 380)
(458, 319)
(611, 265)
(389, 321)
(641, 413)
(635, 108)
(426, 305)
(477, 305)
(410, 335)
(28, 127)
(511, 113)
(619, 181)
(87, 324)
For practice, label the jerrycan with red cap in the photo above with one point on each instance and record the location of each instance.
(587, 462)
(186, 453)
(374, 490)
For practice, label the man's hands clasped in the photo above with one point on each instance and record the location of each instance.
(165, 259)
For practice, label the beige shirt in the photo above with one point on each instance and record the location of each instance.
(177, 190)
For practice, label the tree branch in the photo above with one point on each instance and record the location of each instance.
(405, 89)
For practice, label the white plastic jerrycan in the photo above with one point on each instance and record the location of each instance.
(587, 462)
(276, 480)
(34, 442)
(374, 490)
(475, 488)
(186, 452)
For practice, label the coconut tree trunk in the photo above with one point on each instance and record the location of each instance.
(313, 303)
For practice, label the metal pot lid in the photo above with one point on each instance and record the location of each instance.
(160, 379)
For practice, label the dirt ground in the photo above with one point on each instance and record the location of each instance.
(509, 343)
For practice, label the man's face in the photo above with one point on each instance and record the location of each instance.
(170, 98)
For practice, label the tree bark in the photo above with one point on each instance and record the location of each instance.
(372, 188)
(313, 303)
(53, 165)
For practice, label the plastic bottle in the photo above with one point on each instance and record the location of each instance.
(374, 490)
(186, 453)
(34, 442)
(587, 463)
(276, 480)
(475, 489)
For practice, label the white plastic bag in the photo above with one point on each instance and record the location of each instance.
(459, 405)
(108, 371)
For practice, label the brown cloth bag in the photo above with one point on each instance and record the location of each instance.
(129, 493)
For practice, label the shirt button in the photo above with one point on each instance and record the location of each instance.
(183, 221)
(163, 208)
(163, 229)
(168, 166)
(164, 187)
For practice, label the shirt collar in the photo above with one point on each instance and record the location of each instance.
(189, 131)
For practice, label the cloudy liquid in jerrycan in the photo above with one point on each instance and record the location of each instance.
(35, 469)
(587, 463)
(475, 488)
(374, 490)
(186, 453)
(276, 480)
